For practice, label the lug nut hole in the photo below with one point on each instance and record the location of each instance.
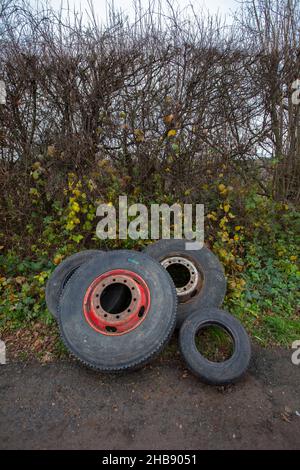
(111, 329)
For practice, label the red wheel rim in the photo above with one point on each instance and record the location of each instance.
(117, 323)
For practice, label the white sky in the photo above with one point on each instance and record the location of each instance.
(213, 6)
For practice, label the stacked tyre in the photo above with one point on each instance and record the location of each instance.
(118, 309)
(200, 283)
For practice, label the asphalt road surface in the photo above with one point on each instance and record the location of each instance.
(63, 405)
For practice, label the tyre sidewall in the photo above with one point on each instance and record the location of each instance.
(214, 285)
(113, 353)
(210, 372)
(61, 274)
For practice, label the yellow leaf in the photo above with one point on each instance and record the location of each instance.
(169, 118)
(76, 192)
(226, 207)
(139, 135)
(236, 238)
(237, 228)
(103, 163)
(75, 207)
(225, 236)
(33, 192)
(51, 150)
(58, 259)
(223, 253)
(223, 222)
(172, 132)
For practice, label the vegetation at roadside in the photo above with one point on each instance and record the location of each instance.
(190, 112)
(256, 241)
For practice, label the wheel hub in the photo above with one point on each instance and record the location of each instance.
(190, 286)
(134, 302)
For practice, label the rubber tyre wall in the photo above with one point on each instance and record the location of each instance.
(215, 373)
(61, 274)
(130, 350)
(213, 290)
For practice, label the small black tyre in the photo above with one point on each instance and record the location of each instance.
(62, 274)
(215, 373)
(210, 280)
(103, 343)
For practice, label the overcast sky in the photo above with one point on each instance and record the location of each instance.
(214, 6)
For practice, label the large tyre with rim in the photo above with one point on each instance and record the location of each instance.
(62, 274)
(198, 275)
(215, 373)
(129, 335)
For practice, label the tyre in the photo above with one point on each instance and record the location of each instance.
(198, 275)
(215, 373)
(61, 275)
(113, 339)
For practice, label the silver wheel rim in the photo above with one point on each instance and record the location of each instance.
(188, 290)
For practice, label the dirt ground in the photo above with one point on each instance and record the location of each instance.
(63, 405)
